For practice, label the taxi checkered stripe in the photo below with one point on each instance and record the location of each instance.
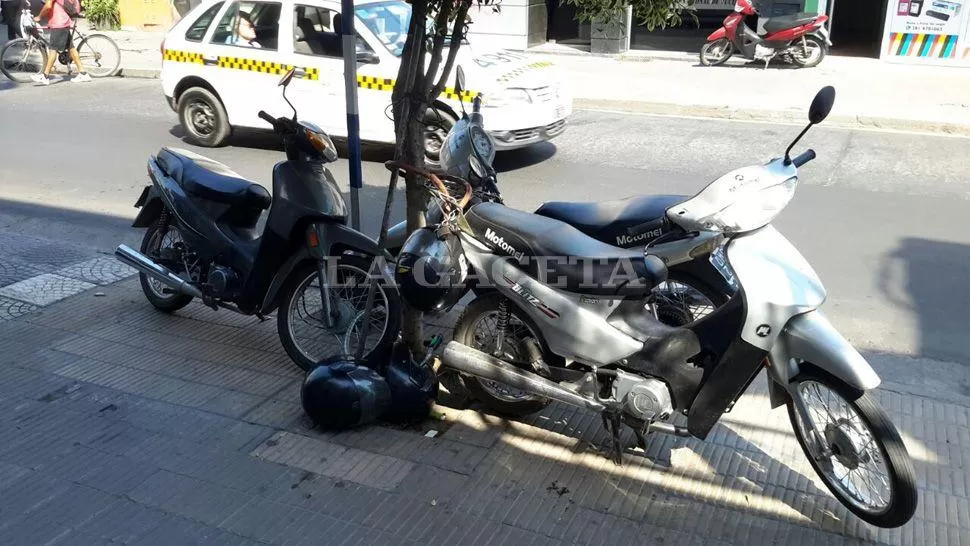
(265, 67)
(182, 56)
(519, 71)
(371, 82)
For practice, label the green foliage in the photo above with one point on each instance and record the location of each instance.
(103, 14)
(650, 13)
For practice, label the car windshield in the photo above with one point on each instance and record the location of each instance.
(388, 21)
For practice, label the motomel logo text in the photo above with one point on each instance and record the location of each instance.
(499, 241)
(630, 239)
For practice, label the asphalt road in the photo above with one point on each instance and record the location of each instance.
(881, 216)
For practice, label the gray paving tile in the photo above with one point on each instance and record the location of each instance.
(122, 523)
(366, 468)
(189, 497)
(233, 404)
(44, 289)
(11, 308)
(32, 528)
(177, 530)
(99, 270)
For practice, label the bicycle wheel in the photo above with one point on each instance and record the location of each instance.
(22, 58)
(99, 55)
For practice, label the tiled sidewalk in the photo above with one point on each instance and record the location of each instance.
(123, 424)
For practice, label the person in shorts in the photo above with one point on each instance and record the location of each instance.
(61, 27)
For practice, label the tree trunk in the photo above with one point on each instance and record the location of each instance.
(411, 151)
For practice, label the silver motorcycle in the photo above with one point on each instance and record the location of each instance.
(565, 323)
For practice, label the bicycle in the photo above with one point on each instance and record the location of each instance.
(21, 58)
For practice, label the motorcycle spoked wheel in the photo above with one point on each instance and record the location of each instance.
(869, 470)
(716, 52)
(161, 236)
(477, 328)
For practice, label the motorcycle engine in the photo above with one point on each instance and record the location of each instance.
(645, 398)
(221, 281)
(761, 52)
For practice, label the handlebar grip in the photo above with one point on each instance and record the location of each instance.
(268, 118)
(804, 157)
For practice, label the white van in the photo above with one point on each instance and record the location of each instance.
(216, 80)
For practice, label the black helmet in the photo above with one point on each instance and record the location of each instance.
(414, 386)
(340, 393)
(431, 270)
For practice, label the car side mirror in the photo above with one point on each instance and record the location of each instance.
(821, 105)
(368, 57)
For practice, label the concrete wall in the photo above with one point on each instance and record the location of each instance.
(521, 24)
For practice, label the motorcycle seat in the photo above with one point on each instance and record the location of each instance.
(208, 179)
(560, 255)
(785, 22)
(608, 219)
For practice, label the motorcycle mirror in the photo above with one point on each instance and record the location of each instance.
(285, 80)
(822, 105)
(459, 80)
(460, 88)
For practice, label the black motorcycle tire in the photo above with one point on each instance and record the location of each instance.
(173, 302)
(902, 476)
(706, 59)
(465, 334)
(380, 351)
(443, 121)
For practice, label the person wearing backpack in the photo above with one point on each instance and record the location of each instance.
(61, 15)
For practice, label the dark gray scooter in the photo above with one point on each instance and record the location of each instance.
(203, 242)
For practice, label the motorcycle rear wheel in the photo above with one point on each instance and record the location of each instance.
(716, 52)
(495, 396)
(857, 415)
(156, 238)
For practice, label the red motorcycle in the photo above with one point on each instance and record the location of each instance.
(801, 37)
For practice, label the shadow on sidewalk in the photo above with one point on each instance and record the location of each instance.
(930, 278)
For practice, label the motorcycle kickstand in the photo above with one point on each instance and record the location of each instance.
(612, 423)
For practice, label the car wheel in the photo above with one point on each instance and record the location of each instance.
(436, 125)
(203, 117)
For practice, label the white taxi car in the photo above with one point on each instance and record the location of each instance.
(222, 61)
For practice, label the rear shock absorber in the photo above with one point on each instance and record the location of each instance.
(502, 326)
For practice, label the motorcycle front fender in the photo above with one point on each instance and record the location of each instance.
(717, 34)
(810, 338)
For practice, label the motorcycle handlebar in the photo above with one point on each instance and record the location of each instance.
(435, 179)
(268, 118)
(804, 158)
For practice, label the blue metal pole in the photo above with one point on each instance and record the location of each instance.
(353, 119)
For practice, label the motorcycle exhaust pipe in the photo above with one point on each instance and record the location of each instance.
(474, 362)
(144, 264)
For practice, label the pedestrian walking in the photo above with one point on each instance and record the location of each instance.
(61, 15)
(10, 15)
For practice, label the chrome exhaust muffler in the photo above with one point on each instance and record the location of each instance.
(144, 264)
(474, 362)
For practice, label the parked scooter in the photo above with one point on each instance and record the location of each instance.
(802, 38)
(203, 242)
(693, 287)
(564, 325)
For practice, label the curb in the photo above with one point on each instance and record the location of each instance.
(143, 73)
(775, 116)
(715, 112)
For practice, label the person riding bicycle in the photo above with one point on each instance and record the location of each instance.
(62, 29)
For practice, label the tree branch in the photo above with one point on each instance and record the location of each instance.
(457, 35)
(440, 33)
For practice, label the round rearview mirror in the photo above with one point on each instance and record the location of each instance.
(822, 105)
(285, 80)
(459, 80)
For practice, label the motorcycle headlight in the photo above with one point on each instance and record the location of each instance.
(754, 210)
(320, 141)
(508, 96)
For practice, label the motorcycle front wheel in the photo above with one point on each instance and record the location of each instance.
(808, 52)
(866, 466)
(716, 52)
(301, 323)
